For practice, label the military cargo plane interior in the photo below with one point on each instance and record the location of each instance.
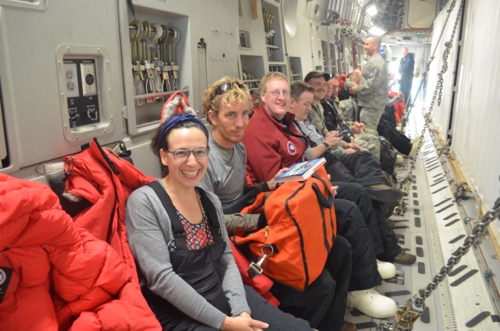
(84, 86)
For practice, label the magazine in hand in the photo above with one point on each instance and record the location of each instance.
(301, 171)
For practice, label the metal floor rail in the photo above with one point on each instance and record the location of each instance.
(432, 228)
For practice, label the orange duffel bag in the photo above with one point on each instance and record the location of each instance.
(300, 231)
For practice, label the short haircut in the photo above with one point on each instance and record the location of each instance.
(269, 76)
(316, 74)
(298, 88)
(376, 39)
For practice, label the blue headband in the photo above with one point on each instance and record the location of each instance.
(172, 122)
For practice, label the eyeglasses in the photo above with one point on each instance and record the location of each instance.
(277, 93)
(182, 155)
(224, 87)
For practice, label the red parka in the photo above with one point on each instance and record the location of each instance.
(55, 275)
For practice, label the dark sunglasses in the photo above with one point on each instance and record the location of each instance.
(224, 87)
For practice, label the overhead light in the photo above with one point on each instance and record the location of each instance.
(371, 10)
(376, 31)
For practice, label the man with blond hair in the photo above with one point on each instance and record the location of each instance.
(228, 106)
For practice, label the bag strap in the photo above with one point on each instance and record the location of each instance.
(177, 228)
(327, 203)
(296, 223)
(213, 219)
(323, 203)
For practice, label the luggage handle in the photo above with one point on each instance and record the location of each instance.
(324, 202)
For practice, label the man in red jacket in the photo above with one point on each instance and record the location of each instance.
(272, 142)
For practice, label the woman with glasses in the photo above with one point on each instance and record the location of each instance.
(176, 233)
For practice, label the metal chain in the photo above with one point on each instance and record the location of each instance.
(414, 307)
(404, 183)
(432, 57)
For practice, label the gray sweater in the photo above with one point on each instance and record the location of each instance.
(149, 234)
(226, 178)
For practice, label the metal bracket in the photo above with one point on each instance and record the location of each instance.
(387, 326)
(399, 278)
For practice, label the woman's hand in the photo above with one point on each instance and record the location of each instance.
(243, 322)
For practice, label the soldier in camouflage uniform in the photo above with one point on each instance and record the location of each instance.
(317, 114)
(373, 89)
(364, 138)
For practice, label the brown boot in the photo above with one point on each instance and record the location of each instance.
(405, 258)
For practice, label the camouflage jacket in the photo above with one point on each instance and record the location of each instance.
(317, 118)
(373, 88)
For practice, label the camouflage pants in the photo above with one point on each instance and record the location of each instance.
(370, 117)
(369, 143)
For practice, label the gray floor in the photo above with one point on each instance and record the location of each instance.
(432, 228)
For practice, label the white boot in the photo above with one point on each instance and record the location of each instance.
(413, 150)
(386, 269)
(416, 139)
(372, 303)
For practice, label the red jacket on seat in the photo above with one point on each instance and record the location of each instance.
(107, 181)
(61, 277)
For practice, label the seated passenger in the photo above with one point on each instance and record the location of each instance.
(189, 278)
(343, 92)
(396, 102)
(346, 169)
(355, 138)
(273, 142)
(227, 103)
(360, 167)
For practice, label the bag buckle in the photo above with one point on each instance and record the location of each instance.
(256, 269)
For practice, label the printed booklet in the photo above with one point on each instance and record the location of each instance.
(301, 171)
